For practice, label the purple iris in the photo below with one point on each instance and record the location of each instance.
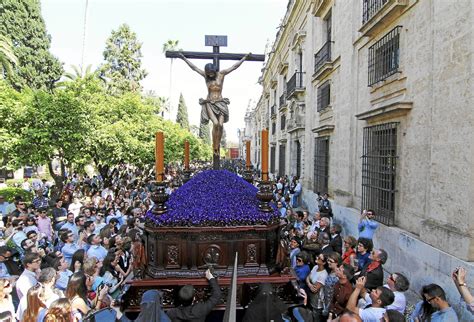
(214, 198)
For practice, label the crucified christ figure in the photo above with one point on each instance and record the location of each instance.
(214, 107)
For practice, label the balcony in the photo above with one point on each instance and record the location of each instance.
(295, 85)
(283, 100)
(322, 61)
(376, 14)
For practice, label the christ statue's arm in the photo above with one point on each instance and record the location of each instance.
(193, 67)
(235, 66)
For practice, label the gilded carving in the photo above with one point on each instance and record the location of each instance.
(173, 255)
(251, 253)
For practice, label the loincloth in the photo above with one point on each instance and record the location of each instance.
(219, 107)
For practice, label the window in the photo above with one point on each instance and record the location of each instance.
(298, 159)
(321, 164)
(272, 159)
(281, 161)
(273, 128)
(384, 56)
(379, 165)
(370, 8)
(283, 122)
(324, 96)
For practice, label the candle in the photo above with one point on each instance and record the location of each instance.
(159, 156)
(247, 163)
(186, 155)
(265, 155)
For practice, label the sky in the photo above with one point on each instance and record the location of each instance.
(249, 25)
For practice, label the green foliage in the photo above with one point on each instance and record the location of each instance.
(126, 129)
(21, 20)
(7, 56)
(182, 115)
(224, 139)
(205, 133)
(122, 70)
(159, 103)
(11, 108)
(170, 45)
(10, 193)
(79, 123)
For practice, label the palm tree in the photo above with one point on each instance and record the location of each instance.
(78, 72)
(168, 46)
(7, 56)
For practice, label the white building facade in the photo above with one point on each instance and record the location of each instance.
(372, 101)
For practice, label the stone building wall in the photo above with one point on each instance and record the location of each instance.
(430, 97)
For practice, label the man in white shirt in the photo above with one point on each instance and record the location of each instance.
(18, 234)
(398, 284)
(32, 263)
(75, 207)
(381, 297)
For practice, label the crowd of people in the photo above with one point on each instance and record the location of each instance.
(341, 278)
(68, 258)
(62, 259)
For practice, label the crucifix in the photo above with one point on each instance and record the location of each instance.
(214, 107)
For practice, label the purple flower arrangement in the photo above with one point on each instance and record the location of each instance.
(214, 198)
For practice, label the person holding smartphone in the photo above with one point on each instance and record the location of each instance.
(467, 299)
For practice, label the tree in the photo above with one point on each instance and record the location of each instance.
(79, 72)
(53, 126)
(11, 106)
(182, 115)
(224, 140)
(37, 68)
(205, 133)
(123, 70)
(7, 56)
(159, 103)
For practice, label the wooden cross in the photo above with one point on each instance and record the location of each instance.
(215, 42)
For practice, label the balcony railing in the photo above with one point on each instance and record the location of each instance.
(295, 83)
(283, 99)
(322, 56)
(370, 8)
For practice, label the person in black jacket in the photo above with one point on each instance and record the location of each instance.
(266, 306)
(197, 312)
(374, 270)
(336, 239)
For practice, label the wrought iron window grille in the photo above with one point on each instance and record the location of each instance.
(384, 56)
(281, 161)
(321, 164)
(324, 96)
(283, 122)
(379, 168)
